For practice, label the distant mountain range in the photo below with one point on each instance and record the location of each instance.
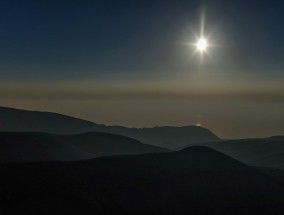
(16, 120)
(197, 180)
(35, 147)
(256, 152)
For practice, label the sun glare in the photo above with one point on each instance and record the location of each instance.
(202, 45)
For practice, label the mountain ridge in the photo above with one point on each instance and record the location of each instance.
(44, 147)
(253, 151)
(17, 120)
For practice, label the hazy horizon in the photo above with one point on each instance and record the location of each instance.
(147, 123)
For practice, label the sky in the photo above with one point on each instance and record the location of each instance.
(132, 63)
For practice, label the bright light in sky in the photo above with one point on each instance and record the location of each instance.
(201, 44)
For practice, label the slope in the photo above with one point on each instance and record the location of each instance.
(34, 121)
(35, 146)
(31, 147)
(106, 144)
(257, 152)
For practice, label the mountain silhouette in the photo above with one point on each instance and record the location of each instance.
(267, 152)
(15, 120)
(28, 147)
(196, 180)
(105, 144)
(35, 146)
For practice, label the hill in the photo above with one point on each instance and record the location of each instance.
(15, 120)
(168, 136)
(34, 146)
(31, 147)
(106, 144)
(257, 152)
(197, 180)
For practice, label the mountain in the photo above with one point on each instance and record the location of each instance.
(197, 180)
(15, 120)
(168, 136)
(257, 152)
(31, 147)
(105, 144)
(34, 146)
(33, 121)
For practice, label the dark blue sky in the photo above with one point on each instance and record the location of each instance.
(51, 40)
(109, 51)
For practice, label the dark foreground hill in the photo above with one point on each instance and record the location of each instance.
(257, 152)
(197, 180)
(15, 120)
(33, 146)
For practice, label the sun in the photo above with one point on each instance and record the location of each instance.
(202, 44)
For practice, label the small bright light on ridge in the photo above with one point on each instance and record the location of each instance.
(202, 44)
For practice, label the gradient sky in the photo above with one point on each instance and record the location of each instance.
(131, 63)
